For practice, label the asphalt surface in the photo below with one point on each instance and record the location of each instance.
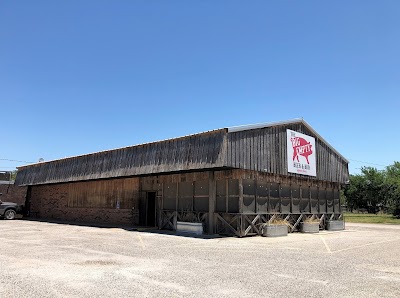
(40, 259)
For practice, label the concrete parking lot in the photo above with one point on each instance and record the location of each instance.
(40, 259)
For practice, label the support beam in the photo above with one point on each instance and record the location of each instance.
(241, 228)
(322, 221)
(228, 225)
(252, 224)
(296, 223)
(212, 197)
(241, 196)
(167, 217)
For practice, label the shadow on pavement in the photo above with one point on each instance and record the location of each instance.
(152, 230)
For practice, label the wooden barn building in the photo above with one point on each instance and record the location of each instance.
(231, 179)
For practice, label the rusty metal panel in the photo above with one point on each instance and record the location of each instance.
(322, 199)
(170, 195)
(233, 195)
(201, 195)
(305, 199)
(274, 199)
(285, 198)
(314, 199)
(285, 191)
(336, 198)
(295, 198)
(221, 202)
(201, 188)
(329, 200)
(233, 187)
(262, 196)
(185, 196)
(285, 205)
(249, 204)
(249, 196)
(233, 204)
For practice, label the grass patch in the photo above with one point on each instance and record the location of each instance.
(371, 218)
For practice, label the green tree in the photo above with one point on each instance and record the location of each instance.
(392, 187)
(13, 175)
(366, 190)
(354, 192)
(373, 188)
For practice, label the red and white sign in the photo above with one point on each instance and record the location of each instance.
(301, 153)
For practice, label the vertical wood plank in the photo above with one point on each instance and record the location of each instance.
(240, 195)
(212, 194)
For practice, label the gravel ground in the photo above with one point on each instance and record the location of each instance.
(40, 259)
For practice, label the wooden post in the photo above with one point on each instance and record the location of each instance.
(160, 198)
(240, 195)
(212, 196)
(241, 232)
(318, 206)
(340, 203)
(291, 197)
(176, 196)
(226, 195)
(269, 197)
(280, 196)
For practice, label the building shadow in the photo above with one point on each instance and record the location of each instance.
(142, 229)
(178, 234)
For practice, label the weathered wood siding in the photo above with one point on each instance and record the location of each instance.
(114, 193)
(194, 152)
(259, 149)
(265, 150)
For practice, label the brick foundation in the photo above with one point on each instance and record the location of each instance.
(51, 202)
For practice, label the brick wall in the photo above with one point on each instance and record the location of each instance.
(51, 202)
(13, 193)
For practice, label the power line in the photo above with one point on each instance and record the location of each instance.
(24, 161)
(366, 162)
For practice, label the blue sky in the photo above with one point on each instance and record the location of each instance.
(83, 76)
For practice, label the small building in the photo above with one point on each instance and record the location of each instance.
(230, 179)
(12, 193)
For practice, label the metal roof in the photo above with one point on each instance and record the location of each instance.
(6, 182)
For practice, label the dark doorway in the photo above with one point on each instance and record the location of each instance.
(151, 209)
(27, 207)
